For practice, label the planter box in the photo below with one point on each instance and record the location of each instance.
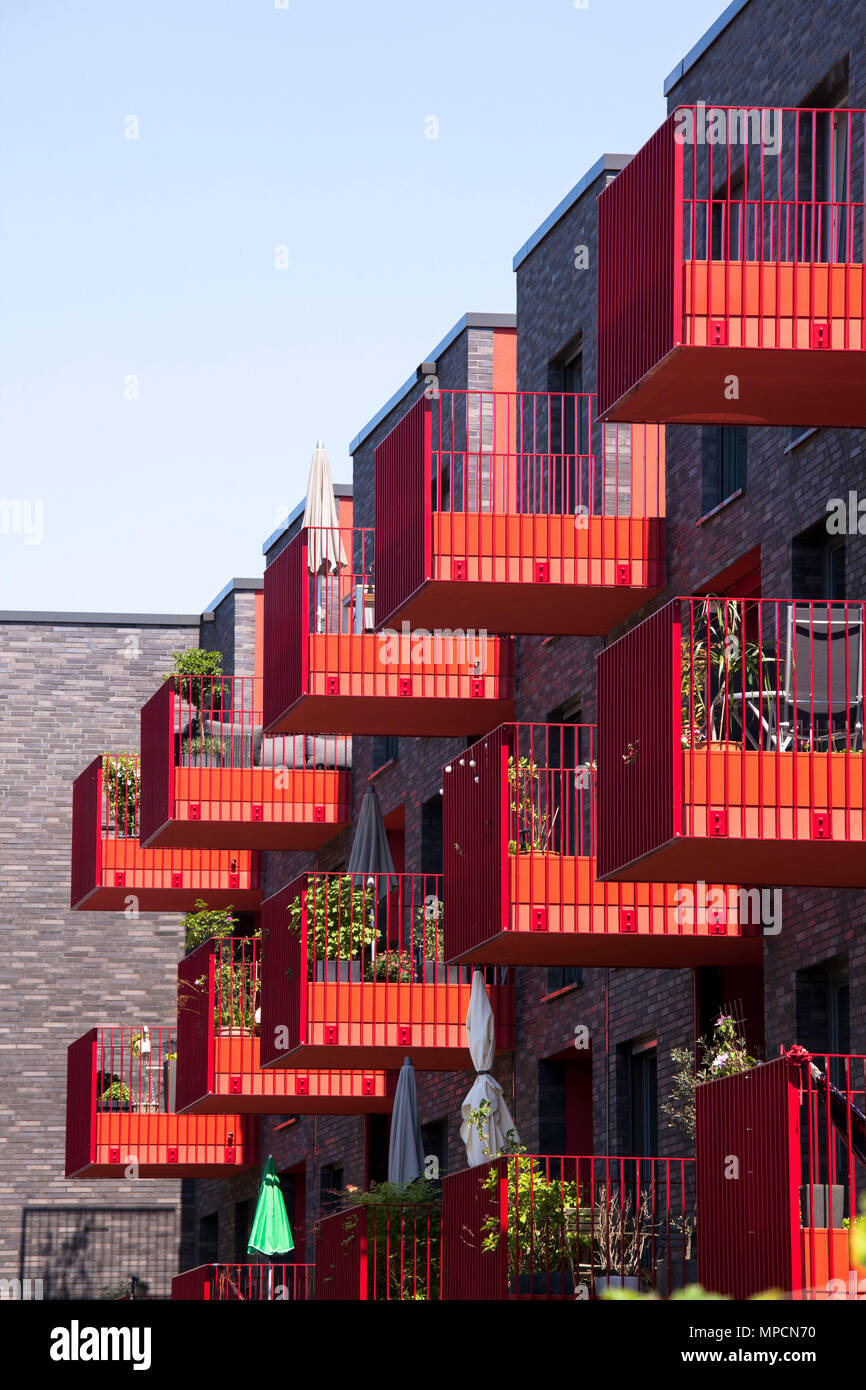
(615, 1281)
(815, 1202)
(557, 1283)
(330, 970)
(170, 1083)
(434, 972)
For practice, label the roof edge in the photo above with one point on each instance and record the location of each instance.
(606, 163)
(703, 44)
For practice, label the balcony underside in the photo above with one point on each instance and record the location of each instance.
(392, 713)
(546, 608)
(241, 1087)
(187, 1167)
(255, 808)
(275, 1100)
(617, 950)
(777, 386)
(777, 863)
(207, 833)
(105, 898)
(379, 1047)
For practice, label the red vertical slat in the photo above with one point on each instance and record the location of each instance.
(475, 843)
(157, 761)
(86, 866)
(403, 510)
(195, 1029)
(286, 630)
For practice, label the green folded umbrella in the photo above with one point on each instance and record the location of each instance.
(271, 1233)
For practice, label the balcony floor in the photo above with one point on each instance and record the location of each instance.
(778, 386)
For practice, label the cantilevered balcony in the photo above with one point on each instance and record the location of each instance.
(517, 512)
(794, 1219)
(535, 1227)
(382, 1253)
(218, 1046)
(110, 867)
(326, 667)
(250, 1283)
(121, 1117)
(731, 744)
(731, 260)
(519, 817)
(210, 777)
(354, 976)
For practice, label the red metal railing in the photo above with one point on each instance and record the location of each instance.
(734, 228)
(520, 821)
(246, 1283)
(795, 1217)
(109, 864)
(515, 490)
(228, 780)
(218, 1044)
(121, 1111)
(355, 970)
(341, 669)
(540, 1227)
(745, 723)
(384, 1252)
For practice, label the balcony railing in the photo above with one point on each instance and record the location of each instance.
(540, 1227)
(326, 666)
(355, 976)
(211, 777)
(795, 1219)
(517, 512)
(121, 1116)
(110, 869)
(520, 820)
(731, 743)
(382, 1252)
(238, 1283)
(731, 259)
(218, 1046)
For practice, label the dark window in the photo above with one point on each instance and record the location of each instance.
(724, 450)
(330, 1187)
(643, 1096)
(565, 1107)
(818, 564)
(822, 1007)
(559, 976)
(385, 750)
(567, 485)
(208, 1239)
(377, 1134)
(551, 1107)
(434, 1140)
(431, 836)
(243, 1227)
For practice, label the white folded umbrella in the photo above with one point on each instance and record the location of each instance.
(324, 546)
(489, 1141)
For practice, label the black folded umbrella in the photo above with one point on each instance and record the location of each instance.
(848, 1119)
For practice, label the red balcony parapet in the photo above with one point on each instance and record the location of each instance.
(519, 818)
(121, 1117)
(384, 1252)
(517, 512)
(111, 870)
(745, 723)
(211, 777)
(249, 1283)
(218, 1047)
(538, 1227)
(326, 667)
(731, 271)
(354, 976)
(794, 1218)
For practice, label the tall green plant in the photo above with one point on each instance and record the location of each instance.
(203, 923)
(533, 824)
(121, 774)
(717, 661)
(404, 1237)
(341, 918)
(723, 1054)
(197, 673)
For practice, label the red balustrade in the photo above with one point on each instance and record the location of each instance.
(383, 1252)
(245, 1283)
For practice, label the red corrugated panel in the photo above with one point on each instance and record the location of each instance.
(341, 1256)
(86, 832)
(194, 1284)
(748, 1163)
(638, 720)
(81, 1103)
(475, 837)
(286, 628)
(639, 266)
(468, 1271)
(195, 1033)
(403, 510)
(157, 761)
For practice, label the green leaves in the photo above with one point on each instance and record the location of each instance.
(204, 923)
(341, 918)
(121, 774)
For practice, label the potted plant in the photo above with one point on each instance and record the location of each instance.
(115, 1095)
(391, 967)
(723, 1054)
(717, 661)
(204, 923)
(122, 780)
(198, 682)
(341, 925)
(235, 998)
(548, 1231)
(429, 938)
(169, 1080)
(624, 1232)
(532, 824)
(404, 1238)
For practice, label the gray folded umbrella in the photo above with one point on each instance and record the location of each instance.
(405, 1151)
(370, 852)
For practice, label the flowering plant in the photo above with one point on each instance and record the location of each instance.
(723, 1054)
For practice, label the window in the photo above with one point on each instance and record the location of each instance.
(823, 184)
(723, 449)
(565, 1106)
(243, 1227)
(431, 836)
(818, 564)
(566, 487)
(822, 992)
(434, 1141)
(643, 1098)
(330, 1187)
(208, 1239)
(561, 976)
(377, 1138)
(385, 750)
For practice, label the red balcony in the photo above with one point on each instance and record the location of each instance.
(218, 1047)
(795, 1217)
(210, 777)
(381, 1253)
(264, 1283)
(731, 744)
(354, 976)
(109, 866)
(568, 1228)
(519, 819)
(326, 668)
(731, 260)
(121, 1117)
(517, 512)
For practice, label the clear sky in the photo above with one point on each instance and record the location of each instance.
(163, 379)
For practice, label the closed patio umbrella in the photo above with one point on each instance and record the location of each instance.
(271, 1234)
(405, 1150)
(324, 546)
(370, 853)
(482, 1145)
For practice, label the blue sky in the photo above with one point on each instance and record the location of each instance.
(162, 381)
